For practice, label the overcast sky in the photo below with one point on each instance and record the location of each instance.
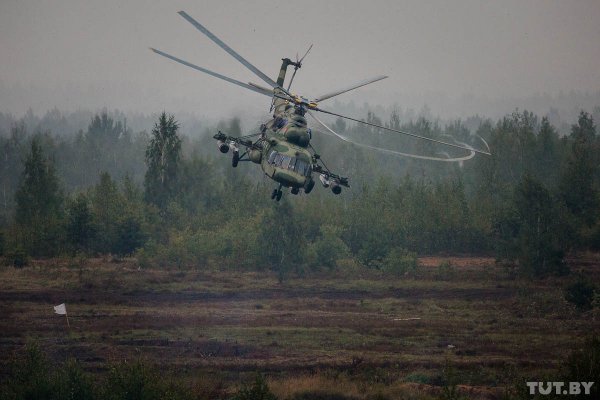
(90, 54)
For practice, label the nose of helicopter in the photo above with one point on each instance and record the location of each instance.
(289, 178)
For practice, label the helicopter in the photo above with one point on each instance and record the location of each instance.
(282, 145)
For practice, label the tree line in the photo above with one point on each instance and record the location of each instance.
(167, 200)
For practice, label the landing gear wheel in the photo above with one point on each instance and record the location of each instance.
(274, 194)
(235, 159)
(295, 190)
(309, 186)
(279, 193)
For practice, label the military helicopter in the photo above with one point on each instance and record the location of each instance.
(282, 145)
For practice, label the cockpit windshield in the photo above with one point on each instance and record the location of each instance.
(291, 163)
(279, 123)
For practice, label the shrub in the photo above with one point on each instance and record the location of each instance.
(32, 376)
(327, 249)
(133, 381)
(321, 395)
(259, 390)
(29, 376)
(399, 261)
(450, 382)
(583, 365)
(18, 258)
(445, 271)
(580, 293)
(72, 383)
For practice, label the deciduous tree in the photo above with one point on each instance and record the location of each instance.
(163, 156)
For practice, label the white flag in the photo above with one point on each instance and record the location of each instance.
(60, 309)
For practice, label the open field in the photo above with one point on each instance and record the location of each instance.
(357, 331)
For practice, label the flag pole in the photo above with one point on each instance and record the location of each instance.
(67, 316)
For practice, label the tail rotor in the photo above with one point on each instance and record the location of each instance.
(297, 65)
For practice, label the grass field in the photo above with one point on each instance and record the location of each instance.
(352, 331)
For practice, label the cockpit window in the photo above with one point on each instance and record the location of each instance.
(279, 122)
(285, 161)
(302, 167)
(290, 163)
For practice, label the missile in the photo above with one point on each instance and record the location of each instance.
(223, 147)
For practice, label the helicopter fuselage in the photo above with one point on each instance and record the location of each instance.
(282, 150)
(285, 157)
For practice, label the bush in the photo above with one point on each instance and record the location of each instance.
(259, 390)
(584, 366)
(400, 262)
(32, 376)
(18, 258)
(418, 377)
(73, 383)
(29, 376)
(445, 271)
(327, 248)
(580, 293)
(321, 395)
(450, 382)
(140, 381)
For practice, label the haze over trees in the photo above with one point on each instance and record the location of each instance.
(171, 200)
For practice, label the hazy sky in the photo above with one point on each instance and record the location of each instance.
(91, 54)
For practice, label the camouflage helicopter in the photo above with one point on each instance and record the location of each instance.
(282, 147)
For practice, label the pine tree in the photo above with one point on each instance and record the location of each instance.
(163, 156)
(80, 228)
(547, 155)
(104, 129)
(131, 232)
(577, 181)
(39, 204)
(107, 207)
(541, 239)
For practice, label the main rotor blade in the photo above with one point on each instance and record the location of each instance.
(337, 92)
(469, 148)
(256, 89)
(264, 89)
(397, 153)
(228, 49)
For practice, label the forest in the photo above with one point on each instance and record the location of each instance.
(169, 199)
(468, 278)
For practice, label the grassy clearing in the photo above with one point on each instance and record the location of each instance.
(360, 333)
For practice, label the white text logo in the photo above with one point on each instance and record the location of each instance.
(559, 387)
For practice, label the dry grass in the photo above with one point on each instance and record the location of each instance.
(353, 333)
(286, 388)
